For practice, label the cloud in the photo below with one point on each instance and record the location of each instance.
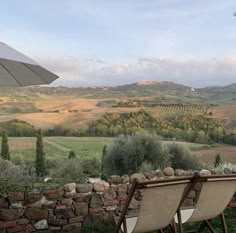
(89, 72)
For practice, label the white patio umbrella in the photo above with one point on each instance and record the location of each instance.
(17, 69)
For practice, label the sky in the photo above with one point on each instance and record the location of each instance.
(115, 42)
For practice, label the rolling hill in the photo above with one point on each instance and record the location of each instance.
(75, 107)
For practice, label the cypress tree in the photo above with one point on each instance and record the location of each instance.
(104, 152)
(218, 161)
(40, 160)
(5, 154)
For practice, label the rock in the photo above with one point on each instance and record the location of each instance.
(16, 196)
(205, 172)
(115, 179)
(159, 173)
(36, 213)
(70, 194)
(16, 205)
(48, 204)
(18, 228)
(137, 176)
(84, 188)
(70, 187)
(61, 213)
(109, 194)
(150, 175)
(67, 202)
(41, 225)
(10, 214)
(81, 209)
(125, 179)
(227, 170)
(57, 222)
(97, 218)
(76, 219)
(100, 186)
(234, 170)
(54, 194)
(216, 172)
(191, 194)
(82, 197)
(22, 221)
(169, 171)
(111, 208)
(33, 197)
(42, 202)
(7, 224)
(74, 227)
(96, 201)
(111, 203)
(29, 228)
(197, 187)
(96, 210)
(3, 203)
(122, 189)
(188, 202)
(134, 204)
(179, 172)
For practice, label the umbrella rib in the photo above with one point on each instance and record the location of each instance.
(11, 75)
(35, 73)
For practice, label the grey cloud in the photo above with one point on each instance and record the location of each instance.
(218, 71)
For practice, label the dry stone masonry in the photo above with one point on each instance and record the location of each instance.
(68, 208)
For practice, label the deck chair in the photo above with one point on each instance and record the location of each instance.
(160, 201)
(216, 193)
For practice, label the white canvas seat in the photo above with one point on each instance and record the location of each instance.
(160, 202)
(216, 193)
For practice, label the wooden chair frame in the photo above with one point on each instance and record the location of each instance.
(207, 222)
(145, 184)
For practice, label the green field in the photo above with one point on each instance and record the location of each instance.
(57, 146)
(24, 147)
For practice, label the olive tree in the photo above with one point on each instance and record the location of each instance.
(127, 153)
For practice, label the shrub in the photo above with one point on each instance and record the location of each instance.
(226, 165)
(182, 158)
(40, 160)
(217, 160)
(5, 154)
(71, 154)
(91, 166)
(127, 153)
(146, 167)
(12, 171)
(69, 170)
(107, 227)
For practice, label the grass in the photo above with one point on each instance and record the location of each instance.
(190, 145)
(230, 215)
(84, 146)
(24, 147)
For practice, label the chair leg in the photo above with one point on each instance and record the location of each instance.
(223, 223)
(161, 231)
(209, 226)
(125, 226)
(173, 226)
(181, 230)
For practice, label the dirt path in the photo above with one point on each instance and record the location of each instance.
(60, 147)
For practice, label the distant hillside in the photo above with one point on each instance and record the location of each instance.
(229, 89)
(141, 89)
(75, 107)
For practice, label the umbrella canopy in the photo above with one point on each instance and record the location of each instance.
(17, 69)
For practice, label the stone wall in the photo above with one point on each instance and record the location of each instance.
(68, 208)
